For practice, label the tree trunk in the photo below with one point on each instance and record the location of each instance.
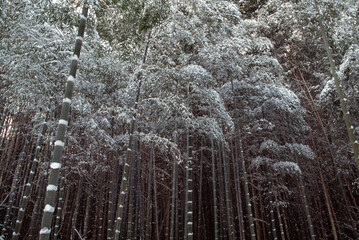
(189, 189)
(174, 211)
(55, 165)
(306, 206)
(28, 185)
(341, 95)
(214, 192)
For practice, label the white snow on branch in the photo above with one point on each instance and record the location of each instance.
(302, 150)
(289, 167)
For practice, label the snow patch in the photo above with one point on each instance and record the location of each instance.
(63, 122)
(49, 208)
(59, 143)
(71, 79)
(289, 167)
(55, 165)
(67, 100)
(51, 187)
(45, 230)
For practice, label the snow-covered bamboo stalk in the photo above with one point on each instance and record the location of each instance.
(246, 192)
(60, 205)
(7, 156)
(325, 191)
(230, 225)
(200, 194)
(149, 197)
(28, 185)
(340, 92)
(3, 136)
(271, 210)
(174, 193)
(74, 231)
(138, 225)
(7, 225)
(100, 207)
(157, 222)
(131, 198)
(189, 188)
(281, 229)
(338, 177)
(125, 174)
(214, 191)
(244, 171)
(305, 201)
(87, 217)
(2, 122)
(55, 165)
(237, 171)
(127, 160)
(39, 198)
(222, 197)
(111, 206)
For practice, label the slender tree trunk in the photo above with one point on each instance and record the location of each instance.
(2, 121)
(271, 209)
(55, 165)
(125, 172)
(189, 189)
(244, 172)
(255, 208)
(214, 192)
(327, 198)
(60, 205)
(74, 230)
(131, 197)
(28, 185)
(149, 196)
(36, 218)
(9, 155)
(282, 235)
(200, 195)
(306, 206)
(230, 225)
(87, 230)
(174, 194)
(157, 233)
(341, 95)
(100, 208)
(111, 200)
(14, 191)
(222, 194)
(138, 209)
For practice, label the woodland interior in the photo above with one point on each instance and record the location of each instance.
(179, 119)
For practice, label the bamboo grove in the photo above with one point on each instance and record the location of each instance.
(179, 120)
